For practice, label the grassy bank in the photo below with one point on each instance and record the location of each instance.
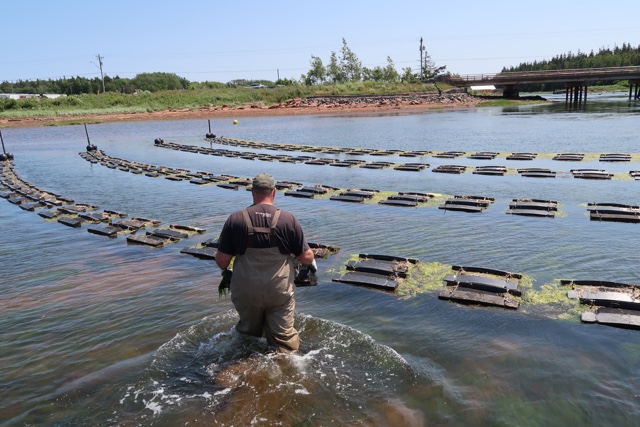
(117, 103)
(71, 107)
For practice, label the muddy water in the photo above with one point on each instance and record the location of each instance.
(98, 332)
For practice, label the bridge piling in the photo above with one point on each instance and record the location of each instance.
(576, 92)
(632, 94)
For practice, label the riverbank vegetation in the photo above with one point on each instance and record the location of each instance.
(343, 75)
(122, 103)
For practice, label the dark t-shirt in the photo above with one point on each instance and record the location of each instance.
(289, 234)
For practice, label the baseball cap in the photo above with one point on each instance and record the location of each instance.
(264, 181)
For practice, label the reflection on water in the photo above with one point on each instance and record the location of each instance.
(98, 332)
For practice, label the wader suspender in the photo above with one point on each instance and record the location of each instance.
(264, 230)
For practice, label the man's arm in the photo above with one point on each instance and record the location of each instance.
(223, 260)
(306, 257)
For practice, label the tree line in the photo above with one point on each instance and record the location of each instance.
(619, 56)
(150, 82)
(346, 67)
(342, 67)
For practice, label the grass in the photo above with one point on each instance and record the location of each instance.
(117, 103)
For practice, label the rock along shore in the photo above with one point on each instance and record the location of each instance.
(347, 104)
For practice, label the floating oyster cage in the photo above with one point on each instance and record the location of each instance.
(483, 286)
(75, 215)
(490, 170)
(591, 174)
(319, 162)
(522, 156)
(612, 303)
(412, 167)
(346, 163)
(613, 212)
(310, 192)
(355, 195)
(449, 154)
(306, 277)
(569, 157)
(321, 250)
(615, 157)
(415, 153)
(537, 172)
(296, 189)
(473, 204)
(376, 165)
(533, 207)
(484, 155)
(407, 199)
(205, 250)
(377, 271)
(453, 169)
(162, 236)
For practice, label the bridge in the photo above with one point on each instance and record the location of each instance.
(575, 80)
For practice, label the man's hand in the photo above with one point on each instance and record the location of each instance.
(225, 284)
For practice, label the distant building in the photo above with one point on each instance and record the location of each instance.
(31, 95)
(483, 88)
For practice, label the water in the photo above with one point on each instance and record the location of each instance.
(97, 332)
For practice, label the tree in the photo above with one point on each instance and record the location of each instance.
(286, 82)
(6, 87)
(389, 73)
(154, 82)
(379, 74)
(347, 68)
(317, 74)
(408, 76)
(429, 68)
(334, 71)
(376, 74)
(350, 65)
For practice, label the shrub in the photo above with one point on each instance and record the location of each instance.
(7, 104)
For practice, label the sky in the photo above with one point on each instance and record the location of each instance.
(211, 40)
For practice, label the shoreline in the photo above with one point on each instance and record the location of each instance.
(289, 108)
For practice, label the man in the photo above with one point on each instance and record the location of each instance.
(264, 241)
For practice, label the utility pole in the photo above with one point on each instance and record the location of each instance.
(422, 48)
(100, 58)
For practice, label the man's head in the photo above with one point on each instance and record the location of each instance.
(264, 181)
(263, 188)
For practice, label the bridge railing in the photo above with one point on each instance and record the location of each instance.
(577, 72)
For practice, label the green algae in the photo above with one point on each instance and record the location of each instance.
(379, 196)
(437, 199)
(552, 299)
(423, 278)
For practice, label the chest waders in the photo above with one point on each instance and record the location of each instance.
(262, 289)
